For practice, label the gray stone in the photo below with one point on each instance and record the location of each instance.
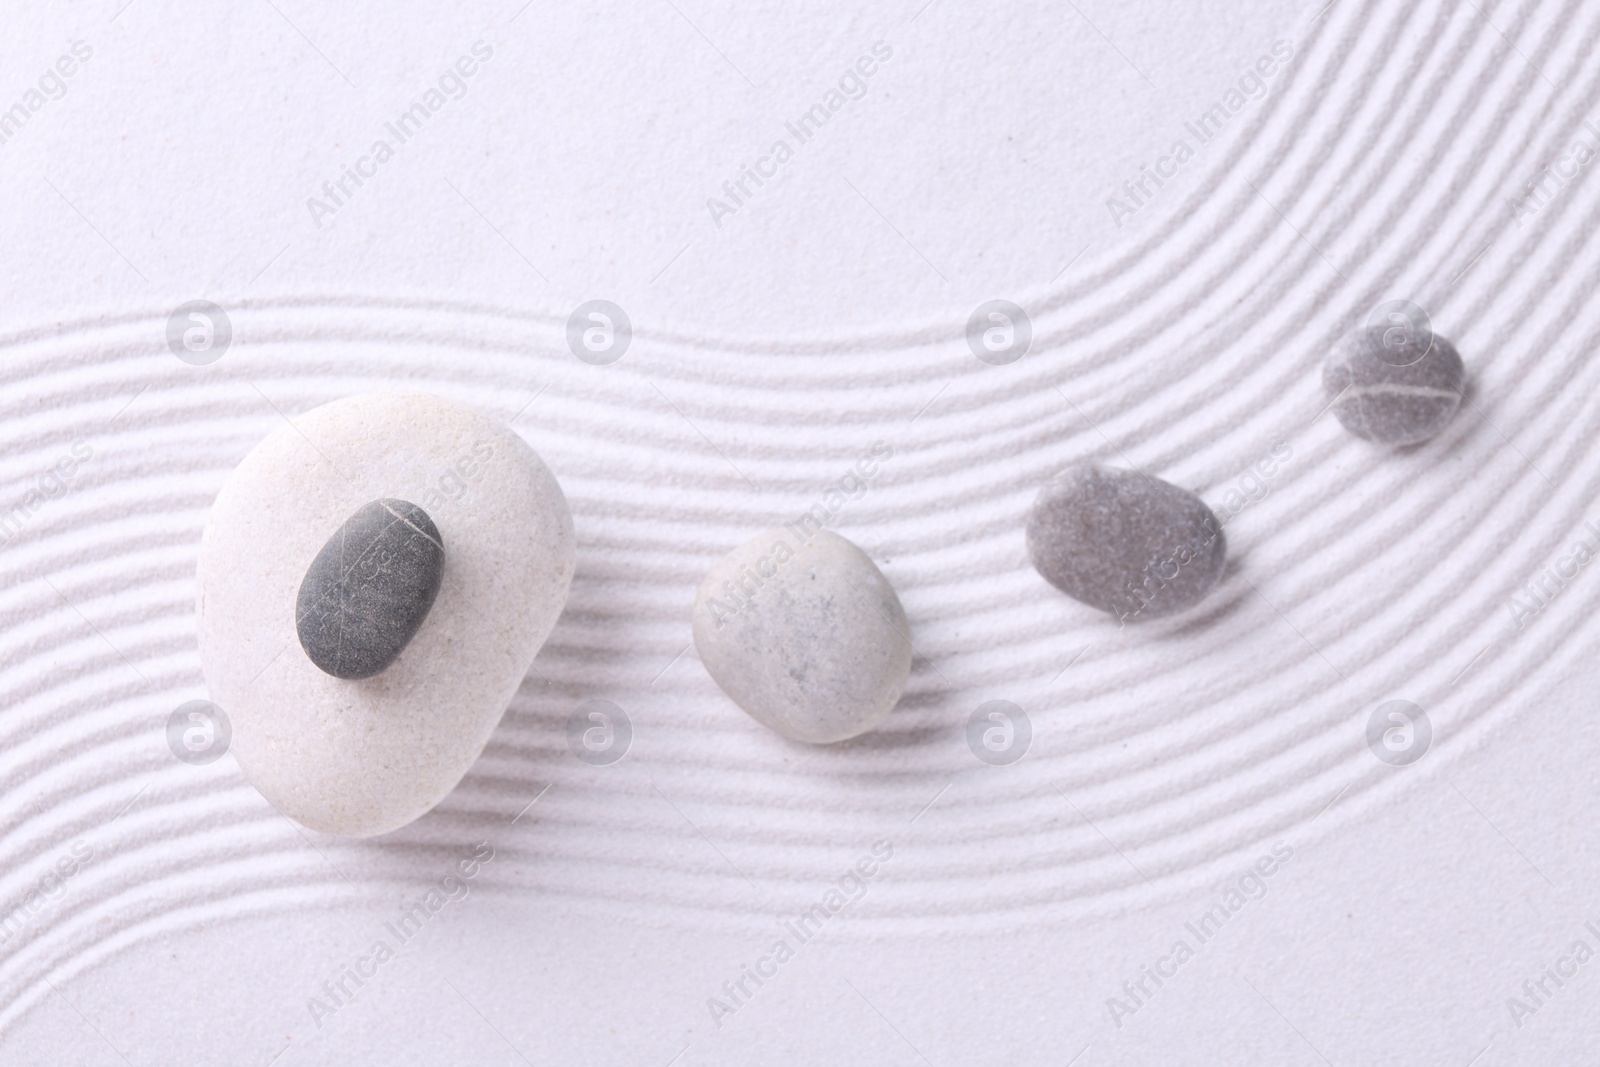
(1125, 543)
(1393, 404)
(803, 632)
(368, 591)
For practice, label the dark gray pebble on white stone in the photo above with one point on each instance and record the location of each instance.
(368, 591)
(1395, 405)
(1125, 543)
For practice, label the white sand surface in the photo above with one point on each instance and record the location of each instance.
(770, 349)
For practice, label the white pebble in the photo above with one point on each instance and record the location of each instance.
(363, 757)
(805, 635)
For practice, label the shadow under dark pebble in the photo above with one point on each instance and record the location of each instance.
(1218, 610)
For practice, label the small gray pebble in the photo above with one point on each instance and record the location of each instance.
(365, 595)
(1395, 405)
(1125, 543)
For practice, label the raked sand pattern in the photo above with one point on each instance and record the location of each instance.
(1162, 756)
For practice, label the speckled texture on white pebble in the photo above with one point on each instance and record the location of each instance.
(807, 636)
(363, 757)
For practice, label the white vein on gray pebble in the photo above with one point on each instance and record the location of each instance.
(1380, 401)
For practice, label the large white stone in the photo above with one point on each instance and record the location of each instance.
(804, 633)
(363, 757)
